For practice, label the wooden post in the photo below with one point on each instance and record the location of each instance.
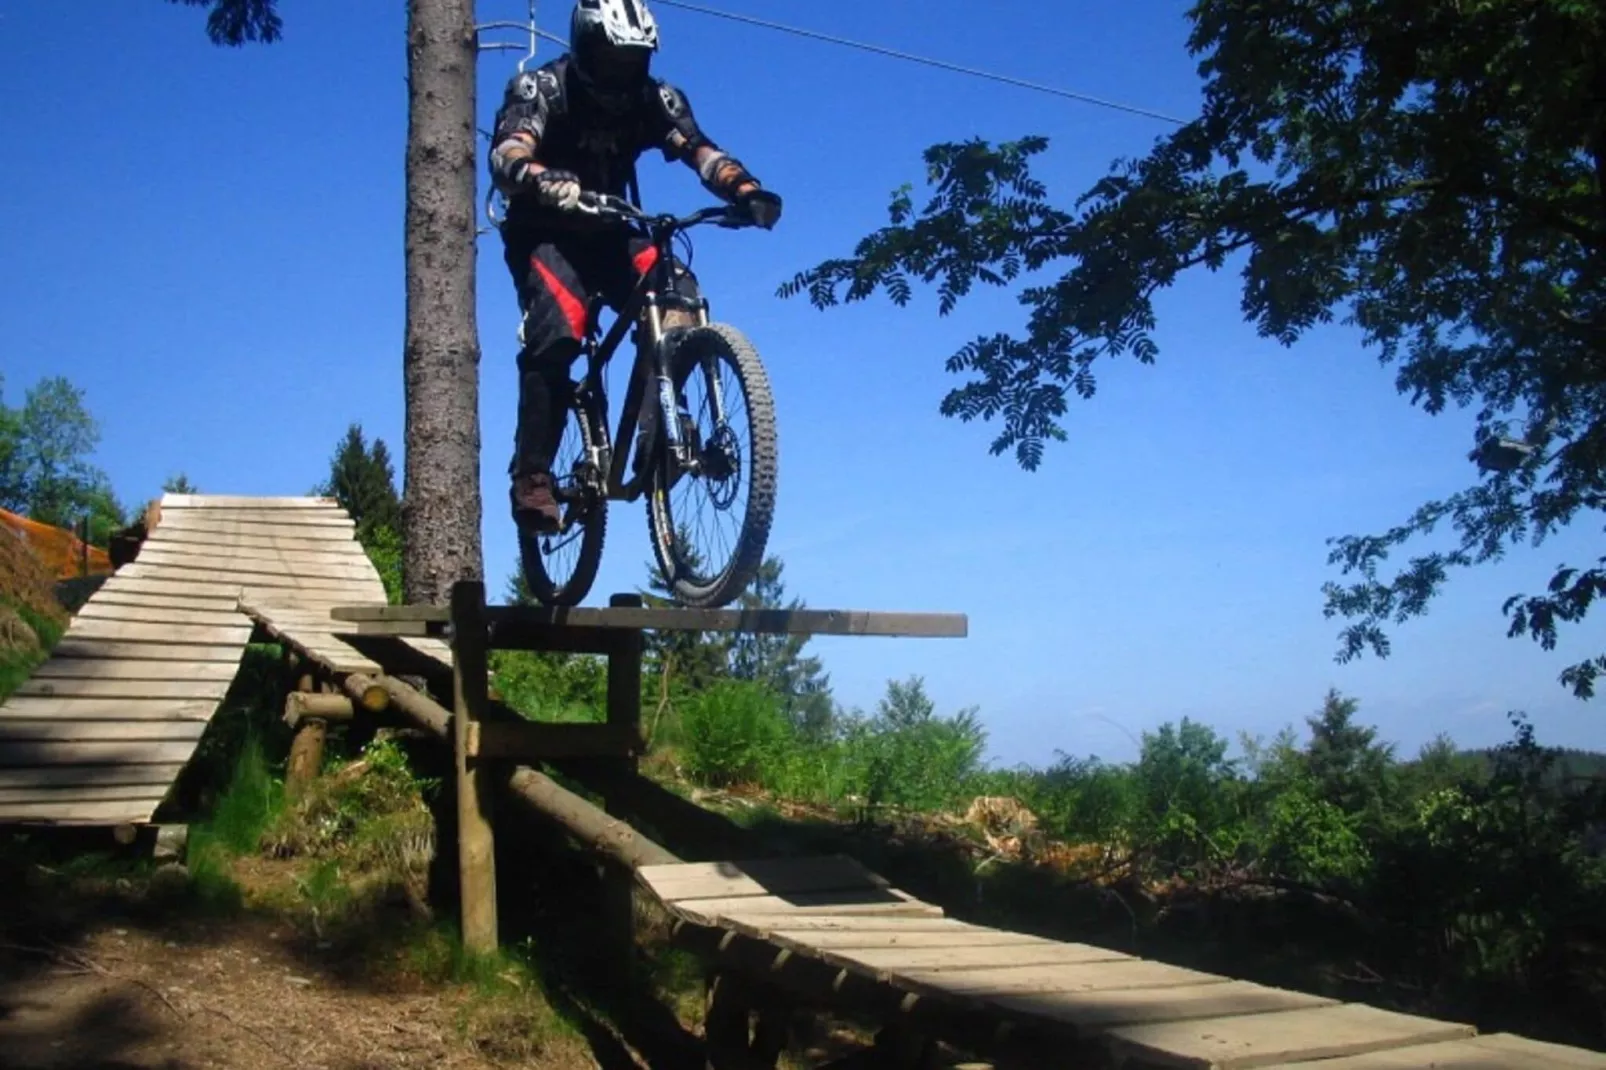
(306, 754)
(624, 714)
(476, 845)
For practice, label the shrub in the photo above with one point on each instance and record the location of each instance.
(732, 733)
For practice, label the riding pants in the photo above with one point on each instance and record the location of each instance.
(556, 273)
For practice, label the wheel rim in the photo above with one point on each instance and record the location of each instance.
(559, 554)
(708, 506)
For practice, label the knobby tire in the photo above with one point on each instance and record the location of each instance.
(594, 531)
(759, 469)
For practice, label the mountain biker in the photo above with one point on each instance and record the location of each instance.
(579, 123)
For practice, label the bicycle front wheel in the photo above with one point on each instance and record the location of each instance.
(709, 520)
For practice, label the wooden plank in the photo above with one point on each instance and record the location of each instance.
(146, 752)
(65, 730)
(1498, 1051)
(804, 927)
(129, 579)
(283, 520)
(187, 539)
(97, 610)
(108, 709)
(319, 646)
(848, 940)
(890, 961)
(238, 501)
(217, 528)
(782, 876)
(80, 813)
(172, 687)
(708, 911)
(76, 793)
(123, 631)
(1251, 1040)
(223, 602)
(505, 620)
(339, 564)
(249, 569)
(1098, 1011)
(133, 669)
(1524, 1053)
(340, 553)
(1071, 977)
(67, 777)
(530, 741)
(73, 647)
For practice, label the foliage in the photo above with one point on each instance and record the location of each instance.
(249, 804)
(234, 22)
(545, 686)
(362, 479)
(179, 484)
(691, 660)
(45, 471)
(18, 658)
(732, 732)
(368, 820)
(1429, 174)
(778, 662)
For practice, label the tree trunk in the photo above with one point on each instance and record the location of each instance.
(441, 500)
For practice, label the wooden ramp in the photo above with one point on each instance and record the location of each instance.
(102, 729)
(837, 923)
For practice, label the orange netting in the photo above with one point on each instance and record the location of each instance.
(62, 552)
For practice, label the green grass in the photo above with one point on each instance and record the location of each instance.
(16, 664)
(249, 804)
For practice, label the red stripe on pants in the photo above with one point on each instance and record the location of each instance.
(573, 310)
(645, 259)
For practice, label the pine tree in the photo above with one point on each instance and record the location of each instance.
(362, 480)
(778, 661)
(694, 660)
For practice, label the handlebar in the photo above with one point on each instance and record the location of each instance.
(616, 208)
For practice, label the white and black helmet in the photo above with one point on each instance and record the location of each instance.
(612, 42)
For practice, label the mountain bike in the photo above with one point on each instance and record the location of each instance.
(687, 389)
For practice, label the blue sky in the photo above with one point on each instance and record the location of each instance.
(209, 241)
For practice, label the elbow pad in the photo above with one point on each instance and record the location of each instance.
(722, 173)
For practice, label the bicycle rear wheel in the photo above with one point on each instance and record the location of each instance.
(731, 483)
(559, 569)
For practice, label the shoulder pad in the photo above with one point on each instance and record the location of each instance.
(672, 101)
(527, 86)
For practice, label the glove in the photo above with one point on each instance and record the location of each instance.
(556, 189)
(763, 205)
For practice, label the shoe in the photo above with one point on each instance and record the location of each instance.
(534, 508)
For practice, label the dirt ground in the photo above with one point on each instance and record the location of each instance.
(226, 995)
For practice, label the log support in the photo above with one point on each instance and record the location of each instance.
(476, 846)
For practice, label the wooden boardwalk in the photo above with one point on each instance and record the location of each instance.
(100, 731)
(834, 919)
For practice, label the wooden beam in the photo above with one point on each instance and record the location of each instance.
(418, 707)
(531, 741)
(302, 705)
(507, 621)
(476, 848)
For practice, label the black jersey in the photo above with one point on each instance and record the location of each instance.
(572, 134)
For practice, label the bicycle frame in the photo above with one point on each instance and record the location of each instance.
(641, 418)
